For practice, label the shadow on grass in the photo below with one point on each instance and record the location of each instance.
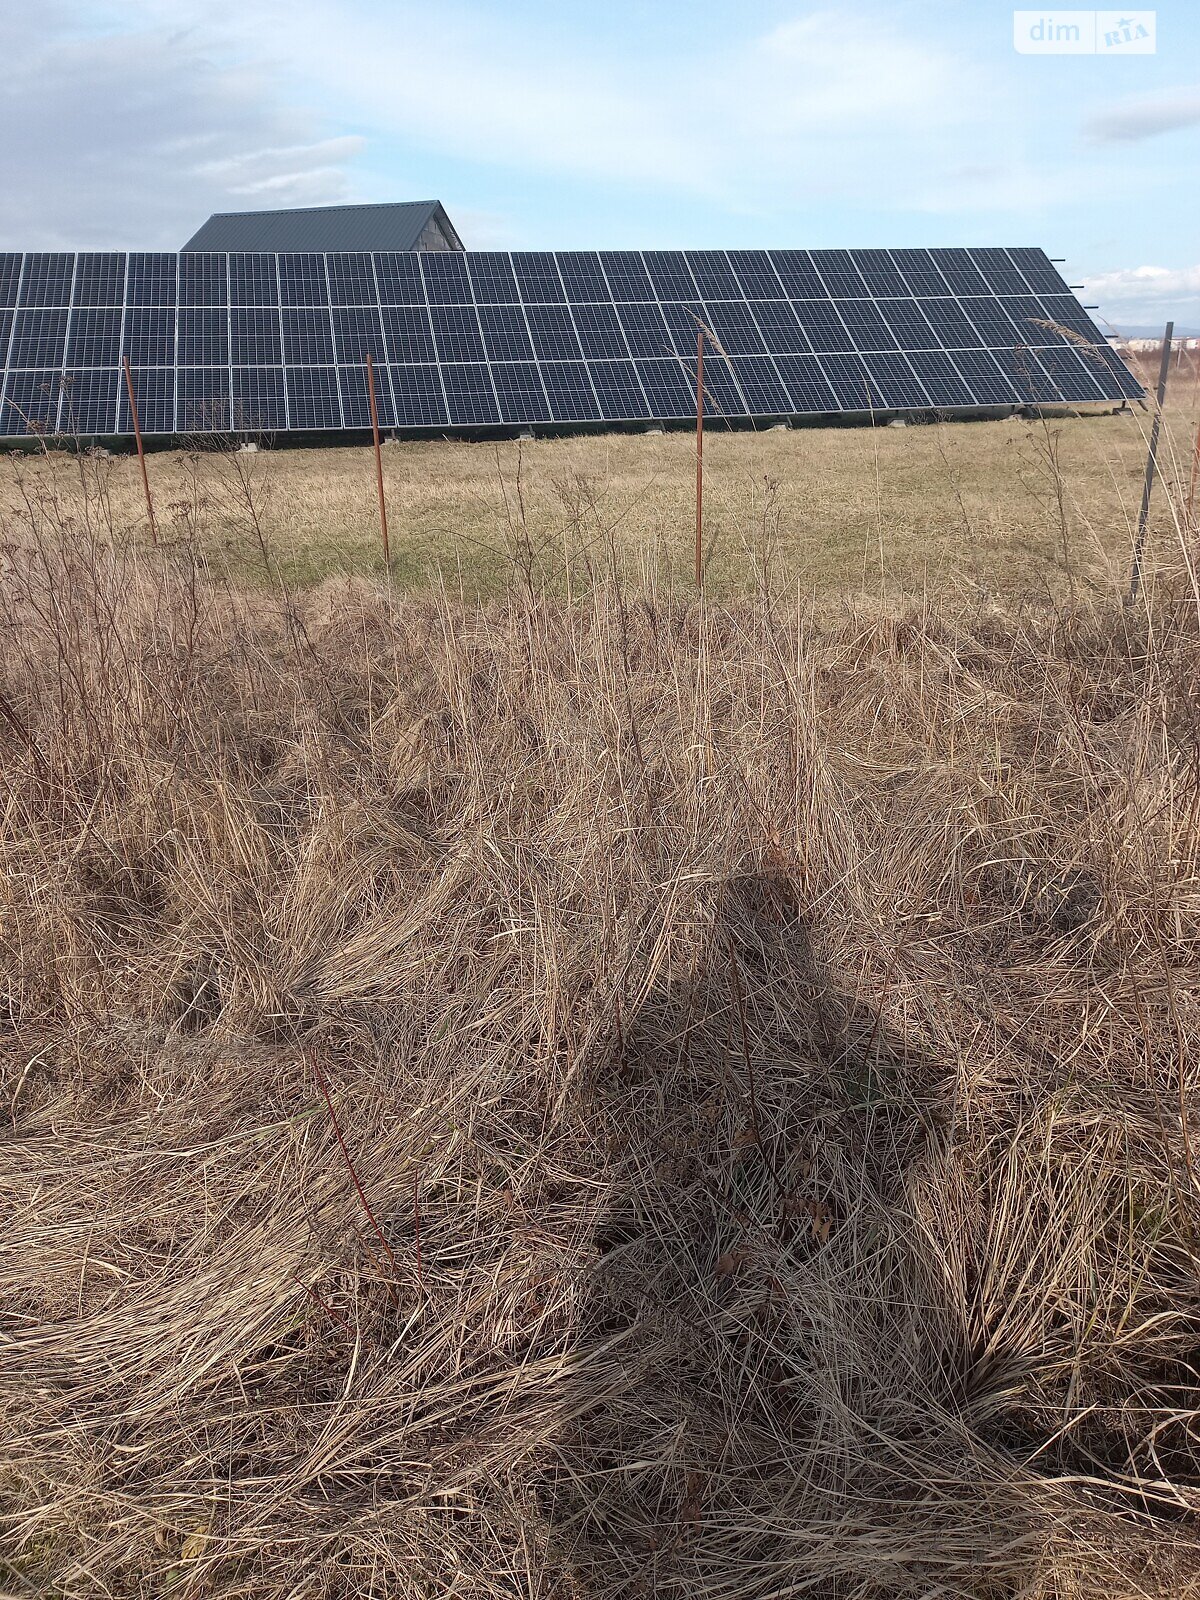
(765, 1128)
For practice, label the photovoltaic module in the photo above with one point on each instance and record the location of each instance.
(478, 340)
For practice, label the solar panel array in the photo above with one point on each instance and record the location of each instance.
(265, 343)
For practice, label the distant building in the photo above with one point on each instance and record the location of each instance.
(408, 225)
(1144, 346)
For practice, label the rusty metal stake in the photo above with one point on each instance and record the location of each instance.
(699, 458)
(137, 434)
(1191, 494)
(387, 559)
(1135, 577)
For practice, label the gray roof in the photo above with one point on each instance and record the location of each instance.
(388, 227)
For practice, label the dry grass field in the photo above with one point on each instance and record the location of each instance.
(1012, 506)
(610, 1096)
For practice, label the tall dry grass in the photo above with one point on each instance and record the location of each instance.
(637, 1098)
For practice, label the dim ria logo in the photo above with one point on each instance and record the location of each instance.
(1084, 33)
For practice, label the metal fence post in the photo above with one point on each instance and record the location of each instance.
(1135, 577)
(699, 458)
(387, 559)
(137, 434)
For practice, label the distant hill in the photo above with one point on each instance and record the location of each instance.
(1154, 330)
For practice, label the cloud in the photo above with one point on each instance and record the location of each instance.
(1145, 296)
(128, 126)
(840, 105)
(292, 170)
(129, 138)
(822, 70)
(1147, 287)
(1146, 117)
(842, 108)
(495, 95)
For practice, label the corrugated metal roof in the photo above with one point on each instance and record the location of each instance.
(388, 227)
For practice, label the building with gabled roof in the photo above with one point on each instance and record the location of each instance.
(404, 225)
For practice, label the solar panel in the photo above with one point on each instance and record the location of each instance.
(149, 337)
(89, 400)
(398, 277)
(356, 405)
(811, 391)
(667, 386)
(94, 338)
(204, 400)
(629, 277)
(98, 280)
(569, 391)
(582, 276)
(838, 273)
(470, 394)
(760, 382)
(670, 275)
(203, 336)
(795, 271)
(203, 280)
(351, 279)
(715, 277)
(447, 282)
(824, 329)
(646, 333)
(10, 280)
(601, 336)
(307, 336)
(984, 377)
(493, 279)
(619, 390)
(358, 333)
(943, 381)
(721, 388)
(519, 391)
(259, 401)
(505, 333)
(253, 281)
(154, 390)
(46, 280)
(151, 280)
(313, 399)
(489, 339)
(735, 327)
(420, 400)
(879, 272)
(30, 401)
(409, 334)
(756, 277)
(38, 338)
(925, 276)
(254, 337)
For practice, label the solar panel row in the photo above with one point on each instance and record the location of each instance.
(265, 343)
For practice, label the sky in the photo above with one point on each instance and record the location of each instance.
(551, 124)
